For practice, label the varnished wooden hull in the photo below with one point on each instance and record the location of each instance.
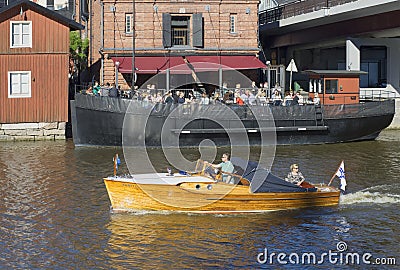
(209, 198)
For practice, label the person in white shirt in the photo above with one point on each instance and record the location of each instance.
(205, 100)
(316, 99)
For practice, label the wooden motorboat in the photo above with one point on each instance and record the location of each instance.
(203, 192)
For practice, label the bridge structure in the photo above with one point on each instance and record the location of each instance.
(335, 34)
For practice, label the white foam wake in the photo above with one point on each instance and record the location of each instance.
(369, 197)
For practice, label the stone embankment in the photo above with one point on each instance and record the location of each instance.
(32, 131)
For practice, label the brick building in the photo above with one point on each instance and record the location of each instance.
(170, 33)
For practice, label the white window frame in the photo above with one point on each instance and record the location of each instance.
(19, 95)
(128, 20)
(29, 45)
(232, 23)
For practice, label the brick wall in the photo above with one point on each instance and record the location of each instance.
(217, 36)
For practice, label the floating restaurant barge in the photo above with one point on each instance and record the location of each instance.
(340, 117)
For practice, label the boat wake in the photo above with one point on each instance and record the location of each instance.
(366, 196)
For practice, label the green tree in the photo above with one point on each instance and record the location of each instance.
(78, 49)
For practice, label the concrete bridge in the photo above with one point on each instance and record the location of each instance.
(335, 34)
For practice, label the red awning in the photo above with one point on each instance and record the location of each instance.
(148, 64)
(157, 64)
(227, 62)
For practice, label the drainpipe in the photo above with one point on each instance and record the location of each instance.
(73, 11)
(102, 41)
(91, 38)
(84, 14)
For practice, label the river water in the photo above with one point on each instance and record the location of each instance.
(55, 214)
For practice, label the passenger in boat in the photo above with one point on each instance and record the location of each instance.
(295, 176)
(225, 166)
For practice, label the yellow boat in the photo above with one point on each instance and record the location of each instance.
(255, 190)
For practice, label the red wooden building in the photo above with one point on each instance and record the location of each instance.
(34, 57)
(335, 86)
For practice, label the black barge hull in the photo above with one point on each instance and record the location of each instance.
(100, 121)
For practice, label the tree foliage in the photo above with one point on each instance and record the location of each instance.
(78, 49)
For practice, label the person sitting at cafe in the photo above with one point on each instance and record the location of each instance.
(298, 98)
(238, 99)
(89, 91)
(168, 98)
(295, 176)
(113, 91)
(181, 98)
(225, 166)
(316, 99)
(96, 89)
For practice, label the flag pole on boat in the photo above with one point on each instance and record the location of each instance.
(116, 162)
(341, 174)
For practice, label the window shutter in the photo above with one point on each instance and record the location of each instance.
(166, 20)
(198, 30)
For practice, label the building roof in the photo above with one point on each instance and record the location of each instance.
(335, 72)
(27, 4)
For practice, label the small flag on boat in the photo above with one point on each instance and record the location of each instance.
(342, 176)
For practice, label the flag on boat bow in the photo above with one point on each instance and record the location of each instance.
(117, 162)
(342, 176)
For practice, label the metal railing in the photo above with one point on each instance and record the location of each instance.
(377, 94)
(297, 8)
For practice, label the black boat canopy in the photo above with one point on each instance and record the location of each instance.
(262, 180)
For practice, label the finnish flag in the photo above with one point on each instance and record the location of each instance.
(342, 176)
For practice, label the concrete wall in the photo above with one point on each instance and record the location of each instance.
(396, 120)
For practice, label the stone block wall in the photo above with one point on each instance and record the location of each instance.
(32, 131)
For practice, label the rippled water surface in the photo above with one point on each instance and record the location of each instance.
(55, 213)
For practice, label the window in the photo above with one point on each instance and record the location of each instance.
(128, 23)
(50, 4)
(232, 23)
(19, 84)
(331, 86)
(374, 61)
(21, 34)
(180, 30)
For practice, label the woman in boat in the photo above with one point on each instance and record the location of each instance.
(295, 176)
(225, 166)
